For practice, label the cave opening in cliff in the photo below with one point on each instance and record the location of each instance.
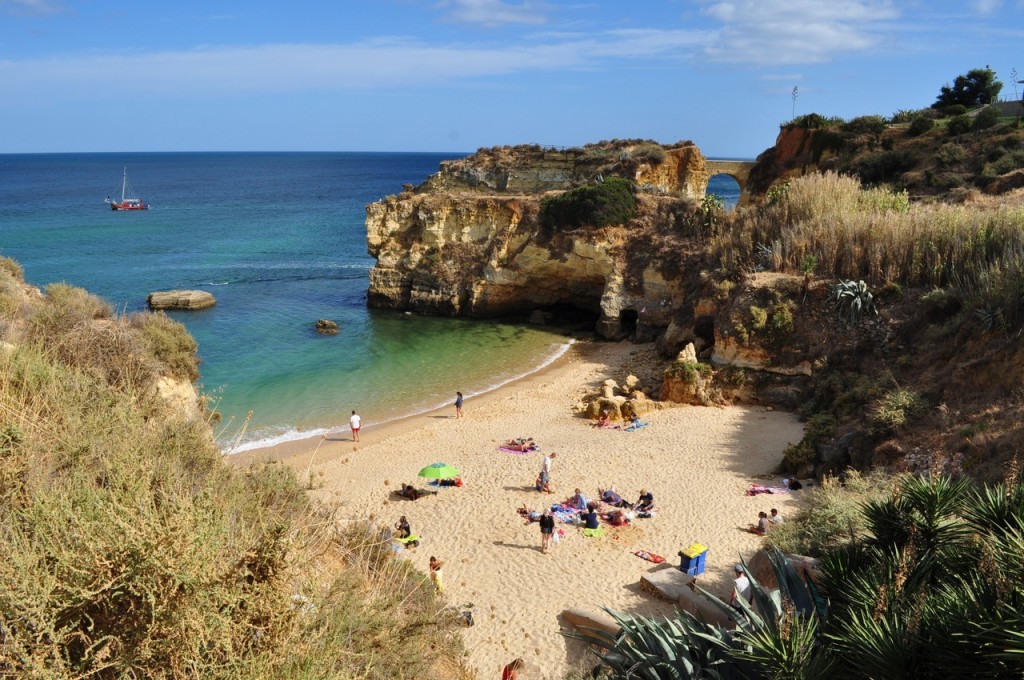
(704, 328)
(628, 319)
(570, 316)
(726, 187)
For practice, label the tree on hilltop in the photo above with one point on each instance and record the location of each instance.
(976, 88)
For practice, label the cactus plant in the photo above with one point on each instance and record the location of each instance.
(853, 300)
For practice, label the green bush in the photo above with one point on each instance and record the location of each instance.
(920, 125)
(885, 166)
(898, 407)
(820, 427)
(170, 343)
(611, 202)
(986, 118)
(958, 126)
(831, 515)
(688, 371)
(653, 154)
(907, 116)
(866, 125)
(950, 154)
(953, 110)
(814, 121)
(13, 267)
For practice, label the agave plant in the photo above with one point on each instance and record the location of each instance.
(853, 300)
(776, 636)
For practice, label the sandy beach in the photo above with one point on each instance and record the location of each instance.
(697, 461)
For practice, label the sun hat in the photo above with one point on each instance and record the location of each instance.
(739, 568)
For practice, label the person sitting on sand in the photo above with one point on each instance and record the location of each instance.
(410, 492)
(645, 503)
(761, 528)
(578, 500)
(402, 529)
(435, 574)
(605, 419)
(590, 518)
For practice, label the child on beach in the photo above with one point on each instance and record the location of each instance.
(458, 404)
(435, 574)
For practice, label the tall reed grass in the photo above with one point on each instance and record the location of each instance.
(878, 236)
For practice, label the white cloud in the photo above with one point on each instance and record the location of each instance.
(986, 6)
(492, 13)
(379, 64)
(784, 77)
(776, 32)
(32, 7)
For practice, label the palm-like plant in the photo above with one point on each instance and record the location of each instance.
(775, 637)
(936, 590)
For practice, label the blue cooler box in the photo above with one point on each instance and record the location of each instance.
(692, 559)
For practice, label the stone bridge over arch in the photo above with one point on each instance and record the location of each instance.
(738, 170)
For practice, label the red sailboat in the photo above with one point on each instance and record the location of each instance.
(127, 202)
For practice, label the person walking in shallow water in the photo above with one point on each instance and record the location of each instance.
(355, 422)
(458, 404)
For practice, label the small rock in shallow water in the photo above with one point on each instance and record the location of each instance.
(327, 327)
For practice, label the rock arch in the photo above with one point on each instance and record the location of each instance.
(738, 170)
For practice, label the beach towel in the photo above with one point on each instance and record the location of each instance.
(634, 426)
(755, 489)
(508, 450)
(649, 556)
(594, 533)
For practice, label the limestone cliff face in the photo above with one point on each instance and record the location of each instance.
(468, 242)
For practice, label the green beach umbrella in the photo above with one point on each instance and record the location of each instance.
(439, 471)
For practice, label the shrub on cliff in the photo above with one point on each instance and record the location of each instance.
(170, 343)
(597, 205)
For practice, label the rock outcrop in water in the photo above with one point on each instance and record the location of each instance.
(470, 240)
(180, 299)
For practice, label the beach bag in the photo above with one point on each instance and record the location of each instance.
(555, 539)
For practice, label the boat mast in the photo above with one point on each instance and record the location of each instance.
(124, 183)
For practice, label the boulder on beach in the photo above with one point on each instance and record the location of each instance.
(180, 299)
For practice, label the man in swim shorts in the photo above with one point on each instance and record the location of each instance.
(355, 422)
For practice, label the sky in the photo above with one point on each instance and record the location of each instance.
(457, 75)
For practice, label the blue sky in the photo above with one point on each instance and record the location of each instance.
(455, 75)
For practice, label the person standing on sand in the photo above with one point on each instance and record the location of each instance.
(435, 574)
(355, 422)
(547, 527)
(545, 473)
(458, 404)
(511, 670)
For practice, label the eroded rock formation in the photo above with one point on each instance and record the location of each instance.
(469, 241)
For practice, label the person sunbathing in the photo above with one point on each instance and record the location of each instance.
(604, 419)
(611, 497)
(616, 518)
(528, 514)
(520, 444)
(409, 491)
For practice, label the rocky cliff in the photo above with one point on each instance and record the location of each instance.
(470, 241)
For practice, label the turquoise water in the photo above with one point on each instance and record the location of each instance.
(280, 240)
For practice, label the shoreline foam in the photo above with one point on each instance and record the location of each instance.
(297, 435)
(697, 461)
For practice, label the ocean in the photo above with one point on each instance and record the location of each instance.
(280, 241)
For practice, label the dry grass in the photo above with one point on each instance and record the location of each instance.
(132, 550)
(877, 236)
